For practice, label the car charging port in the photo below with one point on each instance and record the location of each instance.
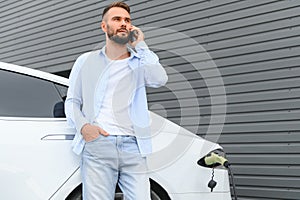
(213, 160)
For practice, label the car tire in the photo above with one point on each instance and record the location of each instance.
(157, 193)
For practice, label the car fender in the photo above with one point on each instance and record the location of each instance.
(69, 185)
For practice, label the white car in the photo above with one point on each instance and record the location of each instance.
(36, 160)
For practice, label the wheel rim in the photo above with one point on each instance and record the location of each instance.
(154, 196)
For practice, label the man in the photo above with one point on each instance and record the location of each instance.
(107, 105)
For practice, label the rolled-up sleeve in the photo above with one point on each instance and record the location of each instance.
(155, 74)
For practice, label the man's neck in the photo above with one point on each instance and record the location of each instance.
(116, 51)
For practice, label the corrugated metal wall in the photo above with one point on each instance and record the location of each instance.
(254, 44)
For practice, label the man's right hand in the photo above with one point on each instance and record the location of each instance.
(91, 132)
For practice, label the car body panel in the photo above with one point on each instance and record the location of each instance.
(26, 158)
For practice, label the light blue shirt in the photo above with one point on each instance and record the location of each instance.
(88, 84)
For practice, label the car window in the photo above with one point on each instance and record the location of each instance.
(62, 90)
(26, 96)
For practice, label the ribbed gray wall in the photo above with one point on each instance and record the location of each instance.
(254, 44)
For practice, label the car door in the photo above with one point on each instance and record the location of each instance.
(35, 150)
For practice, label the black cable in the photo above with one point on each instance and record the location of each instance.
(232, 181)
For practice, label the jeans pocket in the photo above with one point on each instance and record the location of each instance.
(94, 140)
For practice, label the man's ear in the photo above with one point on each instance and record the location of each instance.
(103, 27)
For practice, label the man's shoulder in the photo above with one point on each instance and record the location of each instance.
(85, 55)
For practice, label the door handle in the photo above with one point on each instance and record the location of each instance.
(58, 137)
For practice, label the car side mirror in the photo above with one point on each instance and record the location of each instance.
(59, 110)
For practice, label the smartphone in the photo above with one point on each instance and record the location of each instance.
(133, 35)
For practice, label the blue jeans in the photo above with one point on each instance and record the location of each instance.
(109, 160)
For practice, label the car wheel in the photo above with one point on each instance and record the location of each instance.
(155, 195)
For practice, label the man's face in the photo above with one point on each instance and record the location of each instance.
(117, 25)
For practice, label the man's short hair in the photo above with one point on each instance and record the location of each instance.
(118, 4)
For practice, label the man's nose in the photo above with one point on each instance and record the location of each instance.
(123, 22)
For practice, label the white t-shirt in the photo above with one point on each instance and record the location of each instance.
(114, 112)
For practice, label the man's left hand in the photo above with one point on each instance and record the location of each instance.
(139, 36)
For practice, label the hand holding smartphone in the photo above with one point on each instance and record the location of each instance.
(135, 36)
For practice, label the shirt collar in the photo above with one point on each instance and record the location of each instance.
(132, 52)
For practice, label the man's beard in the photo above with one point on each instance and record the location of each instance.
(116, 38)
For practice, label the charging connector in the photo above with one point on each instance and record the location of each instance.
(213, 159)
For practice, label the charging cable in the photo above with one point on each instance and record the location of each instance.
(212, 160)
